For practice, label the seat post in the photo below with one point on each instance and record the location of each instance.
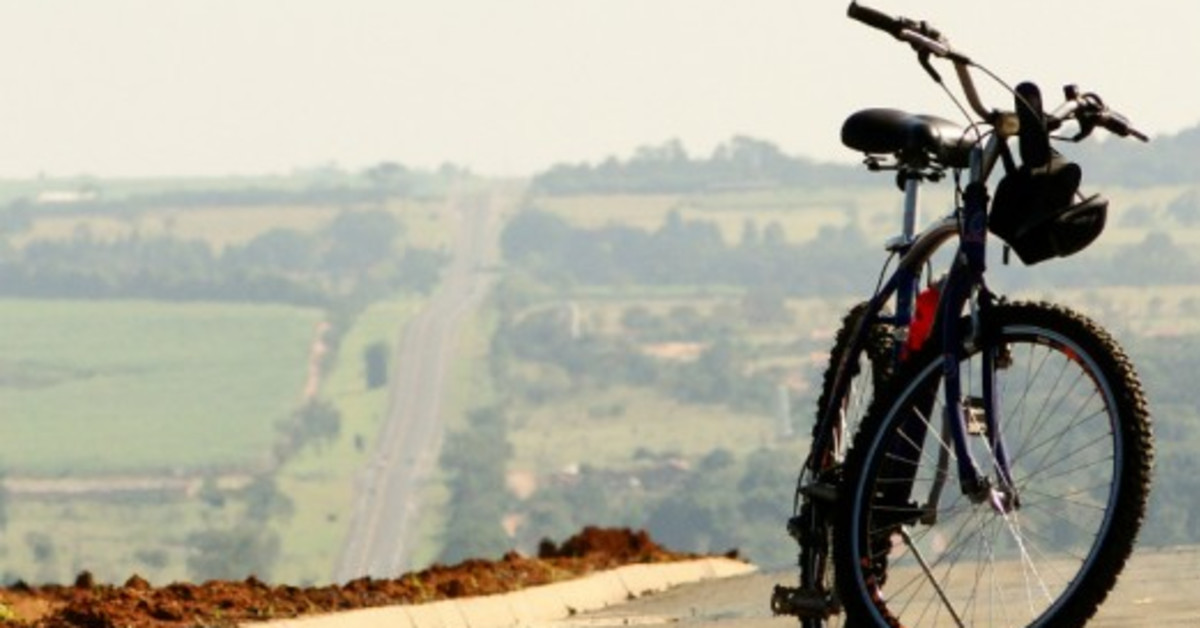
(912, 206)
(909, 280)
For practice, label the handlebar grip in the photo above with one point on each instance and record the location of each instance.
(1120, 126)
(875, 19)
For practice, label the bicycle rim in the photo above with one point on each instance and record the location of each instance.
(1048, 561)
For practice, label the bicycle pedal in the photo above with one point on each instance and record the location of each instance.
(803, 603)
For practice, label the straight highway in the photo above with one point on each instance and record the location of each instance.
(388, 492)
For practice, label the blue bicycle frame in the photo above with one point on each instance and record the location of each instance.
(963, 285)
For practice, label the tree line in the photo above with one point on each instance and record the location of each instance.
(357, 252)
(722, 374)
(838, 260)
(328, 186)
(749, 162)
(722, 503)
(688, 252)
(667, 168)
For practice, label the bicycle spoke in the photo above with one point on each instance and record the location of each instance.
(933, 581)
(1059, 456)
(1069, 498)
(1074, 424)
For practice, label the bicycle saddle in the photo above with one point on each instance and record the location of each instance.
(890, 131)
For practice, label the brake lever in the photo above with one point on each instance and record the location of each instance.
(1086, 126)
(923, 57)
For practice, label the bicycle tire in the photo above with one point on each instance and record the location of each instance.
(875, 359)
(1080, 464)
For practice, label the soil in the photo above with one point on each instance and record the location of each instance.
(137, 604)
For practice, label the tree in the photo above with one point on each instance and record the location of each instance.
(1156, 258)
(534, 234)
(244, 550)
(420, 269)
(476, 459)
(375, 362)
(320, 421)
(317, 421)
(1185, 208)
(42, 547)
(390, 177)
(285, 250)
(751, 236)
(359, 240)
(766, 305)
(3, 500)
(265, 501)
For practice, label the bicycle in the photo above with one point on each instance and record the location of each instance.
(1001, 451)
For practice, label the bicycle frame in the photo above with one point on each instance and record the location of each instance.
(963, 285)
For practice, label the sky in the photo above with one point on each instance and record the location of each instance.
(215, 87)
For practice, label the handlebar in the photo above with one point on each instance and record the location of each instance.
(1087, 109)
(921, 35)
(876, 19)
(1091, 112)
(927, 41)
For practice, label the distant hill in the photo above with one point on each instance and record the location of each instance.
(742, 162)
(745, 162)
(1166, 160)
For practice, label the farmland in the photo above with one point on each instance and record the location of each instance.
(134, 387)
(628, 399)
(139, 428)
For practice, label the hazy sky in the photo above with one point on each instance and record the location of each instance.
(150, 87)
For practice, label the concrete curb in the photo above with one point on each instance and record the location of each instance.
(535, 605)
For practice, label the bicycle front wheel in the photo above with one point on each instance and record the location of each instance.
(913, 549)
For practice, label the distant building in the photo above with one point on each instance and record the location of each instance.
(65, 197)
(674, 351)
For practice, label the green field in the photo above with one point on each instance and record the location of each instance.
(112, 538)
(141, 387)
(143, 532)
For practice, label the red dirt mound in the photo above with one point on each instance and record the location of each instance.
(136, 604)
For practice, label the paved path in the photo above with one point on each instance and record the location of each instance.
(1158, 588)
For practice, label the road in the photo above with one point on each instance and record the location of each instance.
(1158, 588)
(387, 501)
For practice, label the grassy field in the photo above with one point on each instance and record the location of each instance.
(53, 540)
(144, 532)
(140, 387)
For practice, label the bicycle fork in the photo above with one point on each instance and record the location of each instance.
(967, 416)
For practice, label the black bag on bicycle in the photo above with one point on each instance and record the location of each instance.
(1034, 210)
